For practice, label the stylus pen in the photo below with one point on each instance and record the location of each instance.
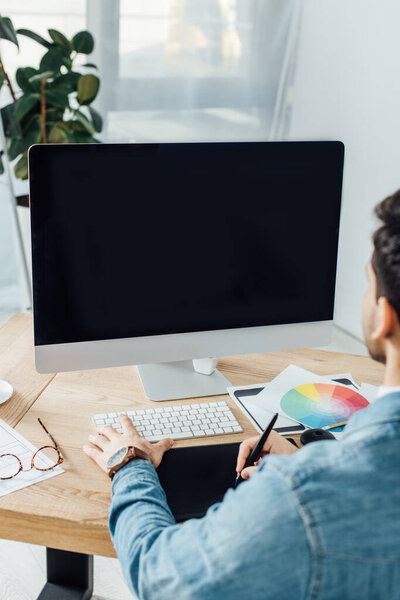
(255, 453)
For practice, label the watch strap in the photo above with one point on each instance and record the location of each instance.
(129, 456)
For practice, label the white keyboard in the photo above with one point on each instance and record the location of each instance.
(177, 422)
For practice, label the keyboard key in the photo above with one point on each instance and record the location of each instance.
(179, 422)
(181, 436)
(218, 430)
(198, 433)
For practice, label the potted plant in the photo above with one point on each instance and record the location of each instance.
(49, 103)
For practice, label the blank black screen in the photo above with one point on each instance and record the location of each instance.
(150, 239)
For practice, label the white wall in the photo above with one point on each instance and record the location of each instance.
(9, 288)
(347, 87)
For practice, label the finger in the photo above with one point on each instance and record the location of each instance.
(164, 444)
(127, 425)
(271, 440)
(246, 473)
(98, 439)
(159, 449)
(108, 431)
(244, 451)
(96, 455)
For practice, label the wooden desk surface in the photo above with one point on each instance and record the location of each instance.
(69, 511)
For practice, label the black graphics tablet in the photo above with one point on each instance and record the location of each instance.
(196, 477)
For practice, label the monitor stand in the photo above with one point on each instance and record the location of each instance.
(175, 380)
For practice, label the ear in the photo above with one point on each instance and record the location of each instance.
(386, 320)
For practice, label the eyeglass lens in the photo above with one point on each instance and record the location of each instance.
(46, 458)
(9, 466)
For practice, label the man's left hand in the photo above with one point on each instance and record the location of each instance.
(107, 440)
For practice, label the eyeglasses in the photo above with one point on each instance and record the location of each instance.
(44, 459)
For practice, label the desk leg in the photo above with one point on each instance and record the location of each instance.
(69, 576)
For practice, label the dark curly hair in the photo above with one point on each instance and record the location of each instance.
(386, 256)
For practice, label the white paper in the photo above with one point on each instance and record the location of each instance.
(12, 442)
(369, 391)
(259, 408)
(292, 376)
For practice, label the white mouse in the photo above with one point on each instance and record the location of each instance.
(6, 391)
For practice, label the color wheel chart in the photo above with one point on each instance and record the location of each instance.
(321, 404)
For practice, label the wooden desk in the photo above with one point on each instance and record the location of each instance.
(69, 512)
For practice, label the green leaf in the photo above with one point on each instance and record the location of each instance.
(7, 31)
(15, 148)
(67, 62)
(21, 168)
(96, 119)
(24, 105)
(34, 36)
(85, 122)
(80, 137)
(58, 135)
(52, 60)
(1, 79)
(93, 66)
(31, 134)
(39, 76)
(22, 77)
(1, 163)
(12, 128)
(68, 80)
(88, 86)
(60, 39)
(54, 114)
(83, 42)
(58, 98)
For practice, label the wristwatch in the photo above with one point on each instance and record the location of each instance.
(120, 458)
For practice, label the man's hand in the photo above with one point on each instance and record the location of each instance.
(275, 444)
(107, 440)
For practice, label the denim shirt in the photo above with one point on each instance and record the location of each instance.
(323, 523)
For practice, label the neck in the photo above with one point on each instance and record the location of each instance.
(392, 370)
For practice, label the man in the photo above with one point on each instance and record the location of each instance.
(322, 522)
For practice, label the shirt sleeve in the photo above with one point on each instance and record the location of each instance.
(253, 544)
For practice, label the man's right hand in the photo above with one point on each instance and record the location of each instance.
(275, 444)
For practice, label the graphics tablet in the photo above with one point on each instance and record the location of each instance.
(196, 477)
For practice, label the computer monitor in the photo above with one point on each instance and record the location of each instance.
(154, 254)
